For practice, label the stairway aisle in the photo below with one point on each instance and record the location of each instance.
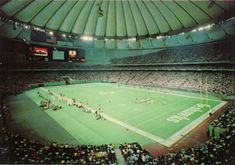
(119, 156)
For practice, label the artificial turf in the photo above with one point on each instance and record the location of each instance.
(145, 109)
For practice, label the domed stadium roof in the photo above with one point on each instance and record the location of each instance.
(116, 19)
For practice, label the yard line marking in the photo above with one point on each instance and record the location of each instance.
(123, 124)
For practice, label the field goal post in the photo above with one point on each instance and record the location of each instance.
(67, 79)
(204, 90)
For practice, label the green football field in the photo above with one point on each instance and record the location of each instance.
(131, 114)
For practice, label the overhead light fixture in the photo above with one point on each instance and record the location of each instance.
(181, 33)
(51, 33)
(201, 28)
(87, 38)
(131, 39)
(26, 26)
(159, 37)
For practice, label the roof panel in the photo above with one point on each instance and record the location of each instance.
(92, 21)
(31, 10)
(120, 19)
(212, 10)
(12, 7)
(139, 21)
(70, 19)
(183, 16)
(198, 15)
(58, 17)
(101, 23)
(111, 20)
(158, 17)
(81, 21)
(148, 19)
(46, 13)
(174, 22)
(130, 24)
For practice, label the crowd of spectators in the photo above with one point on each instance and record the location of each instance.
(222, 83)
(134, 154)
(206, 53)
(217, 150)
(219, 83)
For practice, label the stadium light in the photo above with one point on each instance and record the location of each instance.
(51, 33)
(132, 39)
(87, 38)
(181, 33)
(201, 28)
(159, 37)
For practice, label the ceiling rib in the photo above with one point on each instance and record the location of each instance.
(89, 19)
(187, 12)
(124, 19)
(161, 15)
(142, 18)
(39, 12)
(173, 13)
(22, 9)
(97, 20)
(202, 10)
(152, 17)
(65, 16)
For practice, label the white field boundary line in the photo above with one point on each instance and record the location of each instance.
(154, 91)
(125, 125)
(177, 136)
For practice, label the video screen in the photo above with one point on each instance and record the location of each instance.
(58, 55)
(72, 53)
(38, 51)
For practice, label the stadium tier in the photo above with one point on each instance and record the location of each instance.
(117, 82)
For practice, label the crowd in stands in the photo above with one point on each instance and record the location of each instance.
(134, 154)
(222, 83)
(206, 53)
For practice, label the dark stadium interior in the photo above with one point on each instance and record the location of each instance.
(146, 43)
